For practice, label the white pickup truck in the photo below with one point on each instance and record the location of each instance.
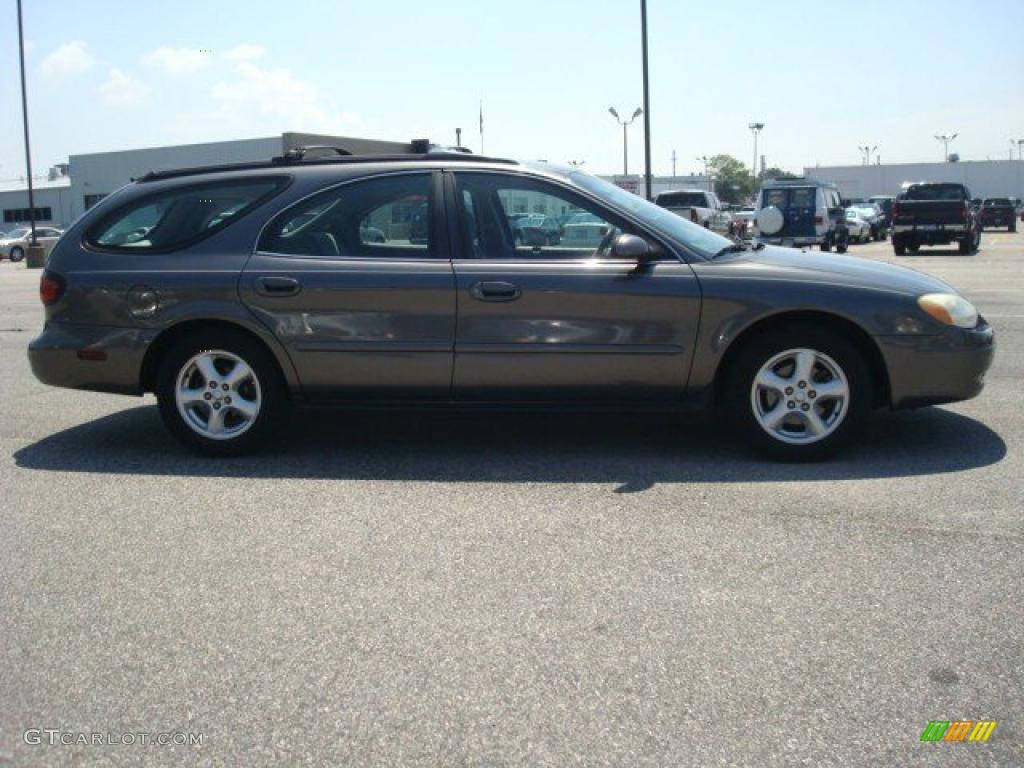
(699, 206)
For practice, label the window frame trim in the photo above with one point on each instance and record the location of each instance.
(88, 242)
(439, 231)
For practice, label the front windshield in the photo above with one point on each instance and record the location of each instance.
(705, 242)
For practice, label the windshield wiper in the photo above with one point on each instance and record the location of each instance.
(731, 248)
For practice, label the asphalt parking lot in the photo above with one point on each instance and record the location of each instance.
(430, 589)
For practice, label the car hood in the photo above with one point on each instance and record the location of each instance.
(845, 269)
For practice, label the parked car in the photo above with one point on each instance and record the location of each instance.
(872, 214)
(536, 230)
(801, 212)
(885, 203)
(699, 206)
(934, 214)
(997, 212)
(743, 222)
(14, 244)
(230, 325)
(859, 229)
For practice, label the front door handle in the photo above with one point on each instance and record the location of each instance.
(495, 290)
(277, 286)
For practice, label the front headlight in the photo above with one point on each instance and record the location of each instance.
(949, 309)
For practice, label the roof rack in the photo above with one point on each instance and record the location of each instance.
(297, 156)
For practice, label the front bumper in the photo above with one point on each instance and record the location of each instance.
(944, 368)
(54, 357)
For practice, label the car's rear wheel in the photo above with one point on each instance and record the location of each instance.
(17, 254)
(798, 394)
(914, 248)
(220, 393)
(898, 247)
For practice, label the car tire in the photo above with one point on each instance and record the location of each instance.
(898, 247)
(840, 415)
(187, 400)
(964, 246)
(826, 244)
(843, 244)
(1012, 228)
(914, 248)
(17, 254)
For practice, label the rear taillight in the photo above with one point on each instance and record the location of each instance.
(895, 211)
(967, 212)
(51, 288)
(819, 219)
(693, 215)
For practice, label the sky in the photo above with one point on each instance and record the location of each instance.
(823, 77)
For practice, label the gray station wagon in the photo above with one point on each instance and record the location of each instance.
(236, 292)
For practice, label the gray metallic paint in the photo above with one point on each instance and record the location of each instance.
(393, 334)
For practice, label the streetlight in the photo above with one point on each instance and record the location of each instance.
(946, 141)
(576, 163)
(34, 249)
(1020, 148)
(647, 103)
(755, 128)
(625, 127)
(867, 152)
(707, 162)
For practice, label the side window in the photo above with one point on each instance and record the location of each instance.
(177, 217)
(386, 216)
(508, 218)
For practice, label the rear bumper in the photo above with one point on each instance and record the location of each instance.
(928, 370)
(54, 357)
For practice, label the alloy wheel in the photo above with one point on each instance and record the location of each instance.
(800, 396)
(218, 394)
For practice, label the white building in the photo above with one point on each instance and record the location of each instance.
(985, 178)
(93, 176)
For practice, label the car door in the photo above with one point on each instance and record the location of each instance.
(566, 321)
(356, 281)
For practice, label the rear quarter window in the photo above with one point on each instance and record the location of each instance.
(178, 217)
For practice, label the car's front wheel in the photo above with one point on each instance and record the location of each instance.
(17, 254)
(798, 394)
(220, 393)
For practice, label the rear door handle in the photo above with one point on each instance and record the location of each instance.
(495, 290)
(277, 286)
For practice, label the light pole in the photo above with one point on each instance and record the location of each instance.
(673, 163)
(34, 250)
(867, 152)
(755, 128)
(576, 163)
(647, 103)
(625, 137)
(946, 141)
(1020, 147)
(707, 162)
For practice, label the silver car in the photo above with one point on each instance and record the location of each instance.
(14, 244)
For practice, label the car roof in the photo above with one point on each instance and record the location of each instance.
(797, 182)
(296, 159)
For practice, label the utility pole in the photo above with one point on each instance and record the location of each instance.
(458, 137)
(647, 103)
(1020, 148)
(707, 175)
(946, 141)
(673, 163)
(867, 150)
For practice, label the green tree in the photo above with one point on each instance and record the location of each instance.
(733, 180)
(777, 173)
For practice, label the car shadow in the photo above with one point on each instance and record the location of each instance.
(938, 252)
(633, 451)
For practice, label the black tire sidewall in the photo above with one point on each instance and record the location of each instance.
(272, 389)
(762, 348)
(17, 254)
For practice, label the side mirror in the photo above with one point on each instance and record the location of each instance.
(631, 247)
